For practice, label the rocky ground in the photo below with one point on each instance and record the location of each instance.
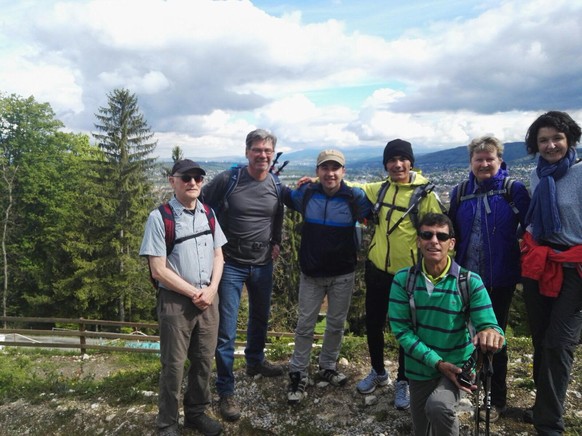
(326, 411)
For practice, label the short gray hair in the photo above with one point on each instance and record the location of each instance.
(260, 135)
(485, 143)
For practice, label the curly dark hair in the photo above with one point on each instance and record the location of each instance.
(560, 121)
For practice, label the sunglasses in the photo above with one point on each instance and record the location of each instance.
(198, 178)
(427, 236)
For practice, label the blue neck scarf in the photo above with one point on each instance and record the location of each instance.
(543, 209)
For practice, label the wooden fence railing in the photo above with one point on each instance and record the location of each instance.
(88, 339)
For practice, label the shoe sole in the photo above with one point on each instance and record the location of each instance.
(293, 402)
(193, 427)
(230, 417)
(254, 374)
(369, 391)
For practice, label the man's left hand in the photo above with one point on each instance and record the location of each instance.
(489, 340)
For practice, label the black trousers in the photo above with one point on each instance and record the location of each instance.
(378, 285)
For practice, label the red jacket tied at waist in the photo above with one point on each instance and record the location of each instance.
(542, 263)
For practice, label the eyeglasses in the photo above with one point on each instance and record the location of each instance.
(267, 151)
(198, 178)
(427, 236)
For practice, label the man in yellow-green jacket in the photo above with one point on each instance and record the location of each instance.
(400, 201)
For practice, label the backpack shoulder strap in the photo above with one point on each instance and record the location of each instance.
(378, 205)
(461, 189)
(507, 187)
(279, 187)
(306, 197)
(210, 217)
(169, 226)
(417, 196)
(232, 180)
(169, 234)
(463, 288)
(353, 203)
(410, 286)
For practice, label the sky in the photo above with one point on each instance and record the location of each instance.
(317, 73)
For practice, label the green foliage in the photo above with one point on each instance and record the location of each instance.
(286, 276)
(41, 160)
(113, 275)
(280, 349)
(354, 348)
(21, 377)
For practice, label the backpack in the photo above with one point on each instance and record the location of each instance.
(505, 191)
(462, 288)
(418, 194)
(170, 226)
(352, 202)
(170, 230)
(232, 183)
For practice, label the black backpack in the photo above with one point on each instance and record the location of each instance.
(419, 193)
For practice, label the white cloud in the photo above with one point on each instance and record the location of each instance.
(206, 72)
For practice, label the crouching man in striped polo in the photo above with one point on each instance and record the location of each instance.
(433, 323)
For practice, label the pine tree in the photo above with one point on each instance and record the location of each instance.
(126, 141)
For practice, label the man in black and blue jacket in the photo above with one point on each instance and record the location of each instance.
(327, 258)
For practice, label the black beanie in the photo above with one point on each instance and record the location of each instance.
(398, 147)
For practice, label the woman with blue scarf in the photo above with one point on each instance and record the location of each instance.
(487, 212)
(552, 263)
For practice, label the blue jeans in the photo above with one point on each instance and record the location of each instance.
(259, 284)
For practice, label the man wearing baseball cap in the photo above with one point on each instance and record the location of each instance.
(187, 281)
(327, 258)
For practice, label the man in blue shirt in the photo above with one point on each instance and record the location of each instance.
(187, 306)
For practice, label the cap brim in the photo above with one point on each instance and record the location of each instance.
(331, 160)
(193, 170)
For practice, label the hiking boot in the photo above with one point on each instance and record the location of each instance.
(204, 424)
(296, 390)
(228, 408)
(266, 369)
(333, 377)
(528, 415)
(172, 430)
(372, 380)
(401, 395)
(494, 413)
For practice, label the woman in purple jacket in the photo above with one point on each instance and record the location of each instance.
(487, 211)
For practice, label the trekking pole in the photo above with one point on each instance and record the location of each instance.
(277, 156)
(488, 373)
(478, 380)
(281, 167)
(423, 194)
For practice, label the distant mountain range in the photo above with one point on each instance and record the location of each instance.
(365, 157)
